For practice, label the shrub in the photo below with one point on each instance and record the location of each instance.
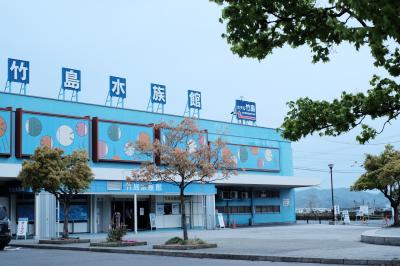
(180, 241)
(174, 241)
(116, 234)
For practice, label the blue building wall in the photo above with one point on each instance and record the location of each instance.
(229, 132)
(233, 133)
(286, 214)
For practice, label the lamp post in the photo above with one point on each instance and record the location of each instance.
(333, 203)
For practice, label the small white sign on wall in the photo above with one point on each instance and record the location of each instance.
(160, 209)
(286, 202)
(22, 227)
(175, 208)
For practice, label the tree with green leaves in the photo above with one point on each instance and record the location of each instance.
(185, 158)
(255, 28)
(383, 173)
(62, 176)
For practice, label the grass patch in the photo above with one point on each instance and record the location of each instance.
(180, 241)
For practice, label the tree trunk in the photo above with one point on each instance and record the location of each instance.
(183, 216)
(396, 221)
(66, 216)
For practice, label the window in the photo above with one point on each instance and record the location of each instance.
(170, 208)
(167, 208)
(268, 209)
(233, 209)
(3, 213)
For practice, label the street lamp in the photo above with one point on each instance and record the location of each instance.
(333, 203)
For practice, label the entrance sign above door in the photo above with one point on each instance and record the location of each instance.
(147, 188)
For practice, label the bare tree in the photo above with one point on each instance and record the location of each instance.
(184, 157)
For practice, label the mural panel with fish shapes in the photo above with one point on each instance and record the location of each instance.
(5, 131)
(255, 158)
(117, 141)
(191, 142)
(67, 133)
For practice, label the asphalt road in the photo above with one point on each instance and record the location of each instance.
(42, 257)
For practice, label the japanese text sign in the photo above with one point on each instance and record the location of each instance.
(18, 71)
(194, 99)
(71, 79)
(158, 93)
(117, 87)
(245, 110)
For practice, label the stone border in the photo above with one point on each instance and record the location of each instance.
(215, 255)
(371, 237)
(64, 241)
(184, 247)
(118, 244)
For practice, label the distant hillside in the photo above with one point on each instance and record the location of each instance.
(321, 198)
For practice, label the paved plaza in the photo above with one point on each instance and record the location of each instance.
(306, 241)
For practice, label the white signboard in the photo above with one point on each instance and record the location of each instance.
(152, 217)
(364, 209)
(346, 217)
(221, 222)
(22, 227)
(286, 202)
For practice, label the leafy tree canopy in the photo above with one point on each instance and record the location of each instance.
(62, 176)
(383, 173)
(255, 28)
(47, 169)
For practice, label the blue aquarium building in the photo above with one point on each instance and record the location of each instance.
(263, 191)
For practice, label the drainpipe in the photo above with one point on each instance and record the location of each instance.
(135, 212)
(252, 206)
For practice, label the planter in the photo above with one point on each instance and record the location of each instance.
(184, 247)
(59, 241)
(118, 244)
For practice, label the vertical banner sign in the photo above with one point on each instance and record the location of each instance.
(194, 99)
(71, 79)
(245, 110)
(18, 71)
(117, 87)
(158, 93)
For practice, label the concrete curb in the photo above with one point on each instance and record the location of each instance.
(184, 247)
(372, 237)
(216, 255)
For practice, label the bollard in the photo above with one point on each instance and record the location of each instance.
(307, 220)
(319, 220)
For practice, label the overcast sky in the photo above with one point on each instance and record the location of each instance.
(179, 44)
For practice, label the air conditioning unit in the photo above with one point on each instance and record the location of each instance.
(226, 195)
(234, 195)
(244, 195)
(223, 194)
